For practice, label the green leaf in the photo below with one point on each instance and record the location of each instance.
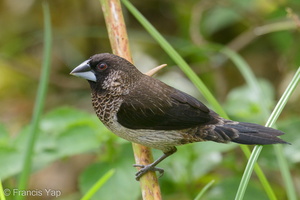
(61, 118)
(11, 162)
(120, 186)
(226, 189)
(193, 161)
(218, 18)
(242, 105)
(291, 127)
(77, 139)
(63, 132)
(3, 132)
(4, 136)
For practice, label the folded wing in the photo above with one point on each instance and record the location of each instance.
(160, 107)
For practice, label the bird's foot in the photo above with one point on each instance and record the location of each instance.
(145, 168)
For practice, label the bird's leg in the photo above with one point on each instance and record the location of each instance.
(152, 167)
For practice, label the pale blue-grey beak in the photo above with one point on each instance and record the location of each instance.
(84, 71)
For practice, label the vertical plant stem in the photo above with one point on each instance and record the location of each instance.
(204, 189)
(91, 192)
(283, 165)
(260, 174)
(176, 57)
(252, 82)
(255, 153)
(249, 77)
(119, 42)
(2, 196)
(39, 102)
(247, 173)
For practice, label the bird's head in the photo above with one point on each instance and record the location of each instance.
(107, 72)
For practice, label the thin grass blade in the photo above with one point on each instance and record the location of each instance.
(204, 189)
(256, 151)
(98, 185)
(177, 58)
(2, 192)
(39, 102)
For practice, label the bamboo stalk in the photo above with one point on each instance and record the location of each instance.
(120, 46)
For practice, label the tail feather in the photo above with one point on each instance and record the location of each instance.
(243, 133)
(249, 133)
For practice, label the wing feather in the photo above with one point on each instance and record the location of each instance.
(157, 106)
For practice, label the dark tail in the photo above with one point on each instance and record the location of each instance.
(256, 134)
(246, 133)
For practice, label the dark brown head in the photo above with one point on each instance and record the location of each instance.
(107, 72)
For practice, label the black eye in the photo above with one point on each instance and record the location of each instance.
(102, 66)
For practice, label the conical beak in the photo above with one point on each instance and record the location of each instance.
(84, 71)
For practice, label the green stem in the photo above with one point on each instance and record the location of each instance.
(2, 196)
(252, 82)
(260, 174)
(39, 103)
(98, 185)
(249, 77)
(287, 178)
(278, 148)
(285, 97)
(204, 189)
(176, 57)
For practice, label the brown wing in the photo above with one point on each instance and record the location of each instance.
(155, 105)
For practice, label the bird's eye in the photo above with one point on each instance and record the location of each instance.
(102, 66)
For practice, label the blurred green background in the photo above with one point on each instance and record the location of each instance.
(74, 149)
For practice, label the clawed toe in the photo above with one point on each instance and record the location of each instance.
(145, 168)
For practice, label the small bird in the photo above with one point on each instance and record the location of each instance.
(146, 111)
